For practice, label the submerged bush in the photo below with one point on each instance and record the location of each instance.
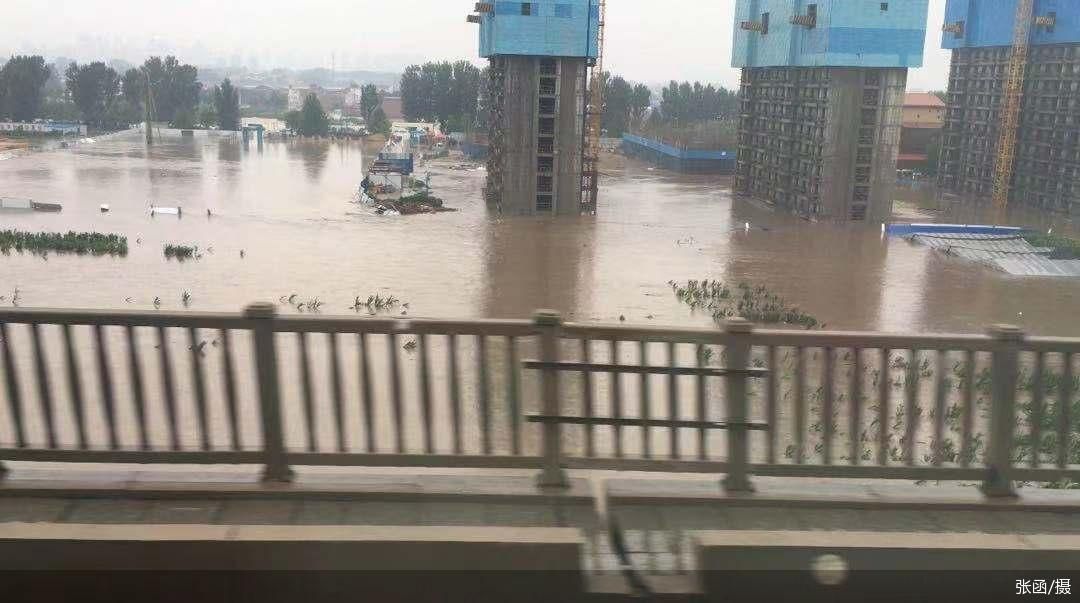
(756, 304)
(81, 243)
(181, 252)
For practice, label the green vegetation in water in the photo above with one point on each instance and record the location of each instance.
(181, 252)
(376, 303)
(1064, 247)
(81, 243)
(756, 304)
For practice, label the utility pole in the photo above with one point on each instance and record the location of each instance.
(148, 110)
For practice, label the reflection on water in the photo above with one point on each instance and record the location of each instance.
(289, 209)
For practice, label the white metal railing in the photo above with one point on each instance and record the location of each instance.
(262, 388)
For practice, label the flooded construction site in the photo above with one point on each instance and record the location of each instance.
(280, 223)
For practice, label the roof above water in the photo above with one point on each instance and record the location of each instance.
(1008, 253)
(922, 99)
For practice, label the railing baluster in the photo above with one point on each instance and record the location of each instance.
(367, 400)
(75, 388)
(337, 386)
(425, 393)
(11, 378)
(967, 420)
(200, 388)
(229, 379)
(884, 393)
(702, 406)
(738, 406)
(855, 426)
(673, 401)
(939, 410)
(911, 404)
(311, 430)
(800, 405)
(1005, 366)
(482, 386)
(548, 325)
(587, 397)
(646, 403)
(829, 378)
(455, 392)
(1038, 387)
(44, 390)
(616, 399)
(395, 392)
(513, 394)
(167, 388)
(106, 383)
(138, 393)
(261, 320)
(1065, 411)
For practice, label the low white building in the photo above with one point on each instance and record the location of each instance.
(44, 127)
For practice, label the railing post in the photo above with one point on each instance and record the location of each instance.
(277, 464)
(552, 475)
(998, 482)
(738, 359)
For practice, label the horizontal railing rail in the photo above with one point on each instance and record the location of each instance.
(262, 388)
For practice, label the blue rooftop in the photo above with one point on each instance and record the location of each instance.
(553, 28)
(990, 23)
(845, 33)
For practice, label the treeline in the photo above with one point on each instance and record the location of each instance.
(312, 120)
(104, 98)
(684, 103)
(625, 105)
(444, 92)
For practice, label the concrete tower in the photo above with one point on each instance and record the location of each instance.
(822, 102)
(539, 55)
(1046, 169)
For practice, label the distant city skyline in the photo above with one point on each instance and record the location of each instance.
(687, 40)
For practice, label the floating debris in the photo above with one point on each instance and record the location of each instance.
(376, 303)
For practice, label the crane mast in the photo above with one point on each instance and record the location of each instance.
(1014, 92)
(594, 112)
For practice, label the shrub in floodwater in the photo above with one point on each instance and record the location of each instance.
(181, 252)
(1064, 248)
(81, 243)
(756, 304)
(376, 303)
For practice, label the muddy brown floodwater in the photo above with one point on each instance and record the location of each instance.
(287, 208)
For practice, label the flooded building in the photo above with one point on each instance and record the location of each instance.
(822, 97)
(1046, 154)
(540, 54)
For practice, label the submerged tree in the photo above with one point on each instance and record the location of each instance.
(227, 104)
(22, 85)
(94, 87)
(313, 120)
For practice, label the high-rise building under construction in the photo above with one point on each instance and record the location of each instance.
(1042, 167)
(540, 53)
(822, 97)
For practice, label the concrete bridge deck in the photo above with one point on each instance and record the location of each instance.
(657, 514)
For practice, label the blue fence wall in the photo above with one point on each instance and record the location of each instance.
(680, 160)
(990, 23)
(849, 33)
(556, 28)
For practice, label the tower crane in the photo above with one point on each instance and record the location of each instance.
(590, 169)
(1014, 92)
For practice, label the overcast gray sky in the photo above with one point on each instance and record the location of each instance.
(648, 40)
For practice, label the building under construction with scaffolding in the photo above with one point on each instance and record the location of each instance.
(1042, 153)
(822, 98)
(541, 158)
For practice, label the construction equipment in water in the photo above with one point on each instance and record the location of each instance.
(590, 172)
(1014, 91)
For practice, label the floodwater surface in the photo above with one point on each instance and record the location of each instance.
(283, 222)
